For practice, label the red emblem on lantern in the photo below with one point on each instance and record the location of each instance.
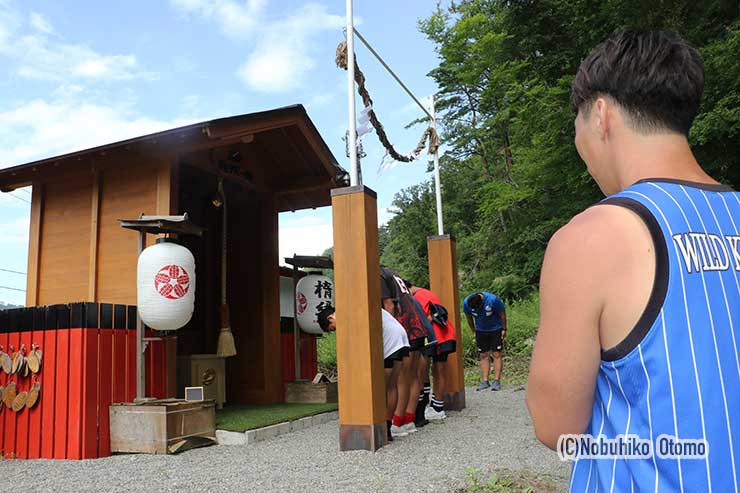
(172, 282)
(302, 302)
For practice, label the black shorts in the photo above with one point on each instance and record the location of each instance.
(489, 341)
(417, 344)
(444, 350)
(396, 356)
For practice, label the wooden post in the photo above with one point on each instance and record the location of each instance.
(359, 331)
(34, 245)
(443, 281)
(92, 283)
(270, 260)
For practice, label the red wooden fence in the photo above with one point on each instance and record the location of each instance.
(88, 363)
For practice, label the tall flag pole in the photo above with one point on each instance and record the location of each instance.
(352, 138)
(437, 182)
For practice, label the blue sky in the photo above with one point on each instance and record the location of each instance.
(76, 74)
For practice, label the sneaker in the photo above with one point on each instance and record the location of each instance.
(484, 385)
(409, 428)
(496, 385)
(431, 414)
(398, 431)
(420, 423)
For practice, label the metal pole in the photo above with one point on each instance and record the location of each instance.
(352, 138)
(408, 91)
(140, 368)
(437, 182)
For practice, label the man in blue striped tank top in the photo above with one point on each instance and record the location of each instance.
(637, 351)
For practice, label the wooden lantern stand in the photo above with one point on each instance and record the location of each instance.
(168, 425)
(155, 225)
(301, 391)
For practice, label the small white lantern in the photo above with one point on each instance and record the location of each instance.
(313, 294)
(166, 285)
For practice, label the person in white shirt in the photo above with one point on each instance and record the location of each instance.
(395, 349)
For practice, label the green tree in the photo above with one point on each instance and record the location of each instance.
(511, 175)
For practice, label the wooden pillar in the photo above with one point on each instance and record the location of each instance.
(92, 283)
(443, 281)
(269, 258)
(359, 327)
(34, 245)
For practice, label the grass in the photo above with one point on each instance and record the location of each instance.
(507, 481)
(523, 320)
(326, 352)
(243, 418)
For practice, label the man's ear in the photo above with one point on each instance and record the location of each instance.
(601, 116)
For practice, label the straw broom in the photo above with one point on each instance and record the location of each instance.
(226, 346)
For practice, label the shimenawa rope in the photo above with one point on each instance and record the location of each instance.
(429, 134)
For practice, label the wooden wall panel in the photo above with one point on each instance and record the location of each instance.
(254, 375)
(65, 241)
(126, 192)
(245, 376)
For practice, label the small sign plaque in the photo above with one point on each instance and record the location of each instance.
(193, 393)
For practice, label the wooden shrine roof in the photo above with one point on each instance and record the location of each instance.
(281, 149)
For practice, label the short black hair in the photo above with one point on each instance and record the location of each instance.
(323, 318)
(475, 301)
(655, 76)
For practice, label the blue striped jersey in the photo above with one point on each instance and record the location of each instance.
(676, 376)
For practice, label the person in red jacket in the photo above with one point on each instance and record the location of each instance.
(446, 345)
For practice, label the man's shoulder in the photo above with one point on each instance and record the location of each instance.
(596, 237)
(491, 298)
(599, 222)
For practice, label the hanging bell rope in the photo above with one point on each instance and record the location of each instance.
(430, 134)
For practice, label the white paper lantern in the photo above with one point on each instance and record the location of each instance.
(313, 294)
(166, 285)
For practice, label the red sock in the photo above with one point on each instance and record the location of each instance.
(409, 418)
(397, 420)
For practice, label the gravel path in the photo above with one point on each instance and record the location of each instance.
(494, 431)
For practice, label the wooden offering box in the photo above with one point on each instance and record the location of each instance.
(162, 427)
(307, 392)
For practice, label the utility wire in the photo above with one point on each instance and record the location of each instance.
(13, 289)
(19, 198)
(13, 271)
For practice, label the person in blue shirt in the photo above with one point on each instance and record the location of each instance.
(640, 294)
(486, 316)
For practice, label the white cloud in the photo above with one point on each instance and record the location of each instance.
(39, 53)
(9, 22)
(304, 240)
(384, 215)
(320, 100)
(42, 59)
(281, 57)
(280, 48)
(15, 230)
(235, 19)
(15, 201)
(412, 108)
(299, 220)
(39, 23)
(41, 128)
